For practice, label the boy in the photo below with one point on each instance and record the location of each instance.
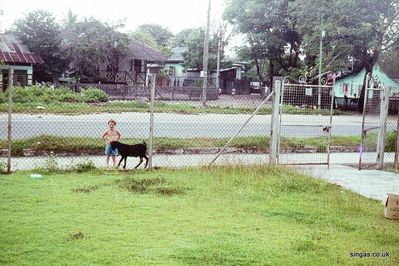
(111, 135)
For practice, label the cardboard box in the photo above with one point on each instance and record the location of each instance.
(391, 210)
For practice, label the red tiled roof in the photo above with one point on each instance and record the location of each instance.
(13, 51)
(27, 58)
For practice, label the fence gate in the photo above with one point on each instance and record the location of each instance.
(374, 124)
(305, 123)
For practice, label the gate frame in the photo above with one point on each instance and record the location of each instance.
(302, 82)
(384, 105)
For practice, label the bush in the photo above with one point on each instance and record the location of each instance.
(66, 95)
(85, 166)
(22, 95)
(41, 94)
(92, 95)
(390, 141)
(3, 166)
(3, 97)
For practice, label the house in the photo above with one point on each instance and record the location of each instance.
(174, 65)
(175, 62)
(231, 82)
(14, 53)
(351, 85)
(133, 66)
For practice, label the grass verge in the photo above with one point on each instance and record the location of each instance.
(139, 106)
(86, 145)
(208, 216)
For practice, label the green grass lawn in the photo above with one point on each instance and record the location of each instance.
(207, 216)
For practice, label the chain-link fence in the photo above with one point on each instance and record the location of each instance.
(63, 127)
(370, 128)
(379, 128)
(391, 141)
(308, 135)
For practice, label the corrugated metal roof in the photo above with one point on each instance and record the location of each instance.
(12, 50)
(139, 50)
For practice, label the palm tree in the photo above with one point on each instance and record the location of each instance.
(70, 20)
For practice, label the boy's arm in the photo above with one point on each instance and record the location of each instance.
(104, 135)
(119, 135)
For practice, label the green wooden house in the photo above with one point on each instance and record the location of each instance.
(14, 54)
(351, 85)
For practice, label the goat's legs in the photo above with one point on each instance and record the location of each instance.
(146, 161)
(124, 166)
(120, 161)
(141, 160)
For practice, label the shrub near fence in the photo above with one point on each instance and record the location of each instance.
(42, 94)
(131, 92)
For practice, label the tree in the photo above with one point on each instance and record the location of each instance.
(162, 36)
(146, 38)
(271, 34)
(193, 57)
(359, 28)
(41, 34)
(180, 39)
(389, 61)
(92, 43)
(70, 19)
(154, 32)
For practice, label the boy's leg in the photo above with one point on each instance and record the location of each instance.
(114, 160)
(107, 160)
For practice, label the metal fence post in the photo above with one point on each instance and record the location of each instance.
(383, 125)
(363, 131)
(397, 144)
(330, 124)
(151, 138)
(10, 84)
(275, 123)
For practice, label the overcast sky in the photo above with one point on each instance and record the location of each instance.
(173, 14)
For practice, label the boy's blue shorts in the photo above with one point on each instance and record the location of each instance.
(110, 151)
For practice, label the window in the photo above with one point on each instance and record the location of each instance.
(139, 66)
(172, 71)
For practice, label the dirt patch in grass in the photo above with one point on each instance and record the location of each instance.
(156, 185)
(88, 189)
(85, 189)
(139, 185)
(170, 191)
(76, 236)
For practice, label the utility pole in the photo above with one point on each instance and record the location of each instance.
(218, 60)
(10, 84)
(152, 106)
(206, 57)
(320, 62)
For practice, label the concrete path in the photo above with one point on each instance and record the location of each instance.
(373, 184)
(370, 183)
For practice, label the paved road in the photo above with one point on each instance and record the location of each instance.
(176, 125)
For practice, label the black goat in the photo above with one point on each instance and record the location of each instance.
(136, 150)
